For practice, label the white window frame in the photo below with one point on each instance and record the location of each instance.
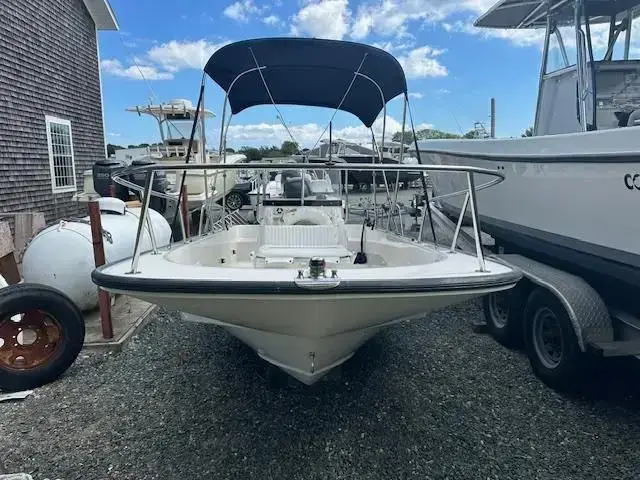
(49, 119)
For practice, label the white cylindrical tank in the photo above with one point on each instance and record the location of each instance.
(61, 256)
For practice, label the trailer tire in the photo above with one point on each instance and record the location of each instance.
(551, 342)
(504, 315)
(55, 326)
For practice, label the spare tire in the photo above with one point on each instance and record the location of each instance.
(41, 335)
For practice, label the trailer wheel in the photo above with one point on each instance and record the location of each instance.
(503, 313)
(41, 334)
(551, 342)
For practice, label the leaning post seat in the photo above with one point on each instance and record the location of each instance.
(288, 244)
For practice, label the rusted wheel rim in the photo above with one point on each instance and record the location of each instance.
(28, 340)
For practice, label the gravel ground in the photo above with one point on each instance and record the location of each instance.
(424, 400)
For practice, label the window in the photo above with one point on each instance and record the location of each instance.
(61, 160)
(561, 43)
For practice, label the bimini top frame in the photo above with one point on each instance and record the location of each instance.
(345, 76)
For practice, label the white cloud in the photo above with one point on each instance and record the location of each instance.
(141, 72)
(533, 37)
(174, 55)
(161, 62)
(417, 95)
(272, 20)
(322, 19)
(387, 18)
(519, 38)
(392, 17)
(241, 11)
(113, 134)
(395, 47)
(421, 62)
(443, 91)
(307, 134)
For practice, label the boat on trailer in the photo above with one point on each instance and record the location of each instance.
(572, 188)
(305, 289)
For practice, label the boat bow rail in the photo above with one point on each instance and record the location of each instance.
(469, 201)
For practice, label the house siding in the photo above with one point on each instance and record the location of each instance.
(48, 66)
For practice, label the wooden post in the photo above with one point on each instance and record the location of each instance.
(112, 190)
(8, 266)
(26, 226)
(184, 211)
(99, 257)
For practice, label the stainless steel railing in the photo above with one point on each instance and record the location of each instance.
(470, 198)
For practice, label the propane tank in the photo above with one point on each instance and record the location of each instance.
(61, 255)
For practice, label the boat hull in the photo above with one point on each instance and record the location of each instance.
(306, 359)
(289, 316)
(573, 211)
(326, 332)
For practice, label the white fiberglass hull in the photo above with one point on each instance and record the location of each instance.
(568, 197)
(289, 320)
(306, 359)
(307, 335)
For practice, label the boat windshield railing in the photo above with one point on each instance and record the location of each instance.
(470, 200)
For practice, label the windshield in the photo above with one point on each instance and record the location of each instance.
(179, 129)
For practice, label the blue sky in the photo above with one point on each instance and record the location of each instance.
(453, 69)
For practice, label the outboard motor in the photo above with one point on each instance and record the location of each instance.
(159, 183)
(293, 187)
(287, 174)
(103, 171)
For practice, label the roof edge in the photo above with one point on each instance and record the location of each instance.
(102, 14)
(481, 21)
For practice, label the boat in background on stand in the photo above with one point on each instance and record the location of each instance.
(303, 288)
(175, 119)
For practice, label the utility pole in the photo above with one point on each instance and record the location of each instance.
(493, 117)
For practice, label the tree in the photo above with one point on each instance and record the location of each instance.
(272, 151)
(289, 148)
(471, 134)
(408, 137)
(252, 154)
(424, 134)
(528, 132)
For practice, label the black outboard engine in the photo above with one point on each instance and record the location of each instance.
(160, 183)
(103, 171)
(293, 187)
(287, 174)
